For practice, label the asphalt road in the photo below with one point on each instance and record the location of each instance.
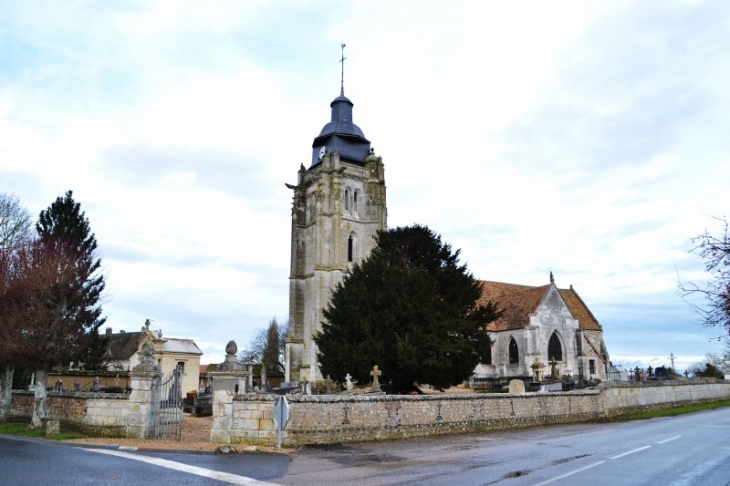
(687, 450)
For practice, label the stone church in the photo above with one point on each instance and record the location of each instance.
(540, 325)
(339, 205)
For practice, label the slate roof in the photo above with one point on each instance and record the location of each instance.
(123, 345)
(519, 301)
(341, 134)
(174, 345)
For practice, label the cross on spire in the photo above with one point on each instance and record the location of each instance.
(342, 73)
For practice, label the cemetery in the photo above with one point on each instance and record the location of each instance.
(246, 414)
(374, 415)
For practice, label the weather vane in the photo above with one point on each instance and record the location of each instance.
(342, 74)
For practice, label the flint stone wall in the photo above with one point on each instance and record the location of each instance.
(100, 414)
(323, 419)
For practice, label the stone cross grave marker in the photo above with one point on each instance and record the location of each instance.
(375, 374)
(554, 370)
(348, 381)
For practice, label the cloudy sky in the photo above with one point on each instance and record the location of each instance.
(587, 139)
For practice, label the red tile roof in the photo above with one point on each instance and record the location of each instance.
(519, 301)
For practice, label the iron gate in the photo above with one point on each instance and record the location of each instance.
(166, 407)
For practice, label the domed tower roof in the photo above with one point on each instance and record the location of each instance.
(341, 134)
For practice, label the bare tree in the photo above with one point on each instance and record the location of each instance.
(267, 348)
(15, 221)
(715, 251)
(15, 227)
(39, 331)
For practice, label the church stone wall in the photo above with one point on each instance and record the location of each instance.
(338, 419)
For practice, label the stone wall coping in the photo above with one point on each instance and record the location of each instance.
(472, 396)
(654, 383)
(407, 398)
(79, 395)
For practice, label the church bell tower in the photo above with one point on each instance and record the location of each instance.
(337, 209)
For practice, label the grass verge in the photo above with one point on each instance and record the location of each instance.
(672, 412)
(15, 428)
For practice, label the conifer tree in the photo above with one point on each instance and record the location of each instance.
(412, 309)
(63, 223)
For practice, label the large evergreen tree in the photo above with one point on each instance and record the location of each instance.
(63, 223)
(412, 309)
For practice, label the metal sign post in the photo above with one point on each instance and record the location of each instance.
(281, 417)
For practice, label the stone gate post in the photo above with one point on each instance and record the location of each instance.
(139, 419)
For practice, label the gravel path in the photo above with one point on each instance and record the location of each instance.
(195, 437)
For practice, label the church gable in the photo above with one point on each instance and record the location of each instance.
(519, 302)
(539, 324)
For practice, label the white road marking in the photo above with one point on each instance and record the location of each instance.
(569, 474)
(669, 440)
(178, 466)
(631, 452)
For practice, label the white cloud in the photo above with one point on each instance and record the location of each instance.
(585, 139)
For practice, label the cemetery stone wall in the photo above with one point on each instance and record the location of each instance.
(321, 419)
(99, 414)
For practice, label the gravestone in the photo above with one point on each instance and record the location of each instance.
(53, 427)
(375, 374)
(554, 375)
(517, 386)
(348, 381)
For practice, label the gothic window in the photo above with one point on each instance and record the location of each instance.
(514, 354)
(487, 355)
(354, 201)
(555, 350)
(347, 199)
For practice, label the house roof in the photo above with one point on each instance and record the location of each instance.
(519, 301)
(174, 345)
(123, 345)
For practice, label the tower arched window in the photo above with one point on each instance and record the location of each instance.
(555, 349)
(514, 354)
(347, 199)
(352, 247)
(354, 201)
